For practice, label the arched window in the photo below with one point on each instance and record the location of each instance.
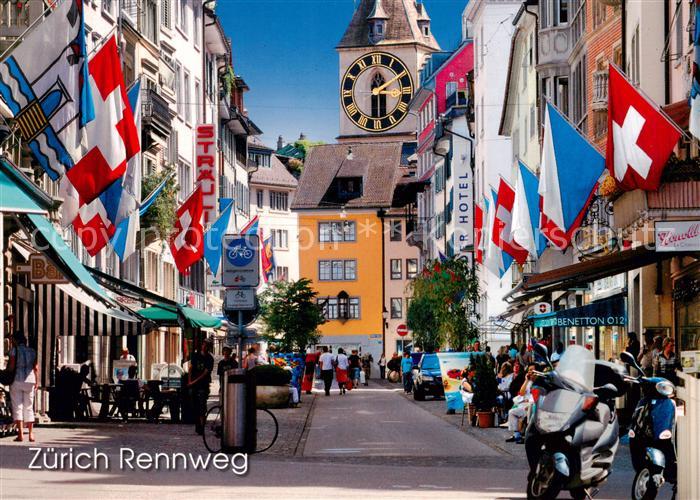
(378, 101)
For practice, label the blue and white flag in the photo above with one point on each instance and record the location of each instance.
(694, 121)
(214, 237)
(495, 259)
(525, 226)
(44, 82)
(569, 174)
(124, 239)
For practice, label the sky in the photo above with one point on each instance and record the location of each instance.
(285, 51)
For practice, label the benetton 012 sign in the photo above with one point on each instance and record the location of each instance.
(677, 236)
(241, 260)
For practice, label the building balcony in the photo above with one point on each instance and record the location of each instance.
(600, 90)
(156, 118)
(460, 99)
(416, 237)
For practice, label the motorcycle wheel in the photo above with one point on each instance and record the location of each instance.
(643, 486)
(545, 482)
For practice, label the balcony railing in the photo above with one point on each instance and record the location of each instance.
(14, 15)
(600, 90)
(156, 115)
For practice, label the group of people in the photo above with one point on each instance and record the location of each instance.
(657, 357)
(349, 370)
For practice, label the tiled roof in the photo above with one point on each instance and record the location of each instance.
(401, 25)
(324, 162)
(276, 175)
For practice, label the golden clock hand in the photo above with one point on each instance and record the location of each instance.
(377, 90)
(392, 92)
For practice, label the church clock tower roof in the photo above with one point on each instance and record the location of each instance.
(402, 25)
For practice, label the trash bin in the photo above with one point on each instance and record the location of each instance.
(239, 434)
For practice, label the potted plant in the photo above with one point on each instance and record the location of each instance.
(485, 390)
(272, 386)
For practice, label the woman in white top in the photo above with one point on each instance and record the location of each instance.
(23, 362)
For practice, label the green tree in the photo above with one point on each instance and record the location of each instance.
(305, 145)
(443, 295)
(159, 219)
(290, 315)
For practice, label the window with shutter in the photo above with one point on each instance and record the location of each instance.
(165, 14)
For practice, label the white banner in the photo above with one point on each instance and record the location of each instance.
(678, 236)
(463, 198)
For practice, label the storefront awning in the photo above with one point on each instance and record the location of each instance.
(47, 240)
(126, 289)
(608, 312)
(19, 194)
(583, 273)
(168, 315)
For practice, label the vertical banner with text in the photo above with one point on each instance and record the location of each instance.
(205, 158)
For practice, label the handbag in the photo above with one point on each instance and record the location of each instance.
(7, 376)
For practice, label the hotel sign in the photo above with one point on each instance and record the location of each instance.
(677, 236)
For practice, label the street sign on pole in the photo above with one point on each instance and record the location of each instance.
(402, 330)
(241, 260)
(239, 299)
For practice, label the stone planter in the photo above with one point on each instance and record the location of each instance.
(272, 396)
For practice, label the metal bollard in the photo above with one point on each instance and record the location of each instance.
(239, 407)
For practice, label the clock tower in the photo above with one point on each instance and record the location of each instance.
(380, 55)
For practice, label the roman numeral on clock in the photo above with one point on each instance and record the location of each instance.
(361, 64)
(347, 93)
(351, 109)
(376, 59)
(392, 120)
(377, 124)
(407, 90)
(403, 107)
(362, 121)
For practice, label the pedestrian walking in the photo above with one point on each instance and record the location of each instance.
(646, 357)
(23, 363)
(394, 366)
(367, 361)
(355, 364)
(227, 363)
(406, 369)
(251, 359)
(341, 370)
(382, 366)
(326, 362)
(199, 380)
(309, 370)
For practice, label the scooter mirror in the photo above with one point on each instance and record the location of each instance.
(629, 359)
(541, 350)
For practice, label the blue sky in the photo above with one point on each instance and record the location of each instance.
(285, 51)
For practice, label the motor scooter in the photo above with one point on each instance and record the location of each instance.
(572, 433)
(652, 434)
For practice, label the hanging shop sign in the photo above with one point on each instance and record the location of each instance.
(542, 308)
(239, 299)
(677, 236)
(609, 312)
(206, 168)
(42, 271)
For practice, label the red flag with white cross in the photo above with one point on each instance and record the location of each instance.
(187, 241)
(640, 137)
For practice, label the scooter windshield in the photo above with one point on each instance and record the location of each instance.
(577, 365)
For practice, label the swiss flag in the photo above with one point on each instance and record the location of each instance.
(478, 233)
(640, 137)
(112, 137)
(187, 241)
(503, 222)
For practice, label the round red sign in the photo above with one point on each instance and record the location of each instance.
(402, 330)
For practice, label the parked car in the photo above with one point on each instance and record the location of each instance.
(427, 380)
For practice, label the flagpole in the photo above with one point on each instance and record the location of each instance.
(649, 100)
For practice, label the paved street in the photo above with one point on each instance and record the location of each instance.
(373, 442)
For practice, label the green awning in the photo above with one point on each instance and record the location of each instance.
(13, 199)
(54, 246)
(168, 315)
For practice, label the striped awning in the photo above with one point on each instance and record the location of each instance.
(58, 313)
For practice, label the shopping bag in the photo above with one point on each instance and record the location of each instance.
(363, 380)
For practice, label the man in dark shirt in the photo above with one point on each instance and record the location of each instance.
(224, 365)
(354, 367)
(201, 368)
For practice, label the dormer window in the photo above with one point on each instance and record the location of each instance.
(424, 27)
(349, 188)
(377, 22)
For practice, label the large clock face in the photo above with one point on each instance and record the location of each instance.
(375, 91)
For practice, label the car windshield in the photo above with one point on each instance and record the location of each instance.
(430, 362)
(577, 365)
